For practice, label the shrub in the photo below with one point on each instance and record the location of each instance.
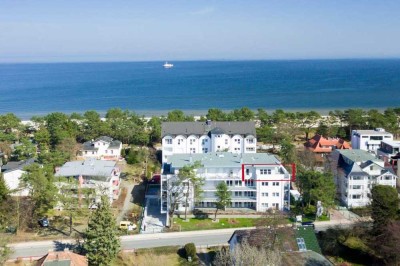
(190, 250)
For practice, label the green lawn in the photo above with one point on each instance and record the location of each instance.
(308, 234)
(207, 223)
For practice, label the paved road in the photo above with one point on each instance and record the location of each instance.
(207, 237)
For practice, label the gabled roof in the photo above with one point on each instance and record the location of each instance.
(112, 144)
(12, 166)
(62, 258)
(255, 237)
(104, 138)
(203, 128)
(356, 155)
(320, 144)
(356, 170)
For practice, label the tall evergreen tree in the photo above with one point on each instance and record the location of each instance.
(101, 241)
(385, 204)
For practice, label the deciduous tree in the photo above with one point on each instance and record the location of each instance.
(192, 182)
(224, 197)
(42, 190)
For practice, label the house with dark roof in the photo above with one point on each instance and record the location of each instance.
(103, 148)
(356, 172)
(299, 245)
(12, 173)
(209, 136)
(322, 146)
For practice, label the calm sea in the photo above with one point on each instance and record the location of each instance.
(195, 86)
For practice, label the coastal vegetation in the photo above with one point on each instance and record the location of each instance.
(56, 138)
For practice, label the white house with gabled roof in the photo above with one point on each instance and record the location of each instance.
(103, 148)
(356, 172)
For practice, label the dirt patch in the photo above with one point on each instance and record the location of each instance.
(233, 221)
(119, 203)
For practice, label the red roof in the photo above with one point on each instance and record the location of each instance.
(323, 145)
(63, 256)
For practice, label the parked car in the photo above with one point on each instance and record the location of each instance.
(308, 224)
(127, 225)
(44, 222)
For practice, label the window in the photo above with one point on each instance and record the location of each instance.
(238, 193)
(204, 141)
(388, 177)
(387, 137)
(191, 141)
(237, 141)
(376, 138)
(226, 142)
(275, 194)
(238, 183)
(192, 150)
(247, 171)
(180, 141)
(356, 196)
(264, 184)
(229, 183)
(364, 137)
(251, 141)
(249, 183)
(168, 141)
(264, 205)
(112, 151)
(237, 149)
(92, 152)
(249, 149)
(265, 171)
(275, 184)
(205, 150)
(357, 177)
(249, 193)
(356, 187)
(264, 194)
(85, 152)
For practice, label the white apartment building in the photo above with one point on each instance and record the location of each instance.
(356, 172)
(266, 182)
(369, 140)
(206, 137)
(101, 176)
(103, 148)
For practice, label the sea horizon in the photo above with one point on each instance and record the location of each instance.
(322, 85)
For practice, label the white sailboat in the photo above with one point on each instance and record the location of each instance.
(167, 65)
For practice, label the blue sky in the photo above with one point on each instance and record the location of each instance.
(88, 30)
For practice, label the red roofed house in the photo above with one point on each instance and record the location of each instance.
(320, 145)
(61, 258)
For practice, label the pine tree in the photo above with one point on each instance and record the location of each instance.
(3, 189)
(101, 241)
